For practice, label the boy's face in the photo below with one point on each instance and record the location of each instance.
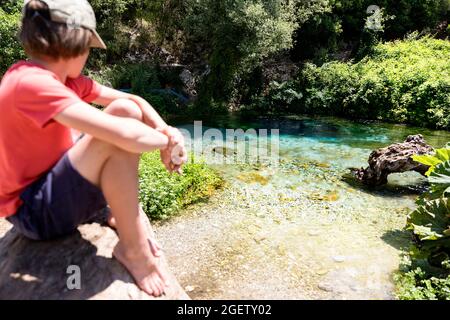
(76, 65)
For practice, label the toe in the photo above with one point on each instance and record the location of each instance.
(155, 288)
(146, 287)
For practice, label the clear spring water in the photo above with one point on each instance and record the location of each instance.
(303, 229)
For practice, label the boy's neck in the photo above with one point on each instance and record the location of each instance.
(59, 68)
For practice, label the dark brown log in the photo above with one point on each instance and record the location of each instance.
(395, 158)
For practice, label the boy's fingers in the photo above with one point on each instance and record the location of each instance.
(178, 170)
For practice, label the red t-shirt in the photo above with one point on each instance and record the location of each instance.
(31, 142)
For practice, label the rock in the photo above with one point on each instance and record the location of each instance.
(189, 288)
(187, 78)
(392, 159)
(341, 282)
(313, 233)
(224, 151)
(39, 270)
(322, 272)
(338, 259)
(259, 238)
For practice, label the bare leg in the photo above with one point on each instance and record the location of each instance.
(119, 184)
(116, 172)
(155, 247)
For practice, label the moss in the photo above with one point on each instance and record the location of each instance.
(330, 196)
(253, 177)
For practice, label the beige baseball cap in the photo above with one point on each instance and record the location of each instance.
(75, 13)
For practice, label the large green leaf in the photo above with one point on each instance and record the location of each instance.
(430, 221)
(440, 155)
(440, 179)
(426, 159)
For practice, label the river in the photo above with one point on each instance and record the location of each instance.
(301, 229)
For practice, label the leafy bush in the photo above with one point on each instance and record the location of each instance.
(10, 47)
(11, 6)
(417, 284)
(427, 275)
(145, 80)
(343, 21)
(113, 21)
(404, 81)
(237, 36)
(162, 194)
(430, 222)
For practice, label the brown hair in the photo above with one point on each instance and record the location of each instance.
(42, 37)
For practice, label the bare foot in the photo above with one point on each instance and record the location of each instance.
(149, 275)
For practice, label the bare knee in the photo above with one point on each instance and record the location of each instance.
(89, 156)
(125, 108)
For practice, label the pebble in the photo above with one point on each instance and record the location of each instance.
(322, 272)
(339, 259)
(325, 287)
(259, 239)
(189, 288)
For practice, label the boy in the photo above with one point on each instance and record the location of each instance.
(49, 184)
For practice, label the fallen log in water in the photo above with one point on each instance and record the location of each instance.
(395, 158)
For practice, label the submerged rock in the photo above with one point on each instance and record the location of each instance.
(224, 151)
(395, 158)
(46, 270)
(253, 177)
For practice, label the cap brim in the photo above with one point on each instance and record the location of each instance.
(96, 41)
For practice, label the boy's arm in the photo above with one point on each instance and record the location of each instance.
(151, 117)
(126, 133)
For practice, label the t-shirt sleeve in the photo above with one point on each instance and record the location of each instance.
(40, 97)
(86, 88)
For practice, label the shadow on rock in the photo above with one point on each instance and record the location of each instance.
(39, 270)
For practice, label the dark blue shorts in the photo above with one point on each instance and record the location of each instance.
(57, 203)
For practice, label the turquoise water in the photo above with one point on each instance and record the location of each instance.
(318, 152)
(303, 222)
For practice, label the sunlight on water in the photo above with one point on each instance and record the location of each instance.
(305, 219)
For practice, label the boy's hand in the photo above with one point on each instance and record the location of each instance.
(175, 155)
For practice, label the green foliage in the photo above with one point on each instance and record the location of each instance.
(238, 36)
(440, 179)
(404, 81)
(282, 95)
(343, 21)
(427, 275)
(10, 47)
(11, 6)
(432, 160)
(416, 284)
(430, 221)
(438, 173)
(162, 194)
(144, 79)
(113, 19)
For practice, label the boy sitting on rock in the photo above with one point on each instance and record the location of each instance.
(48, 183)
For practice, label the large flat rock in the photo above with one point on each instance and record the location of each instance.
(39, 270)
